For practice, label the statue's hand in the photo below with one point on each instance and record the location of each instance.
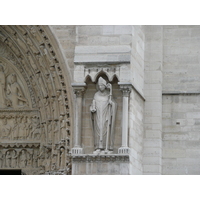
(92, 109)
(108, 85)
(110, 102)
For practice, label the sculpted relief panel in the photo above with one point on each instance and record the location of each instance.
(11, 92)
(35, 123)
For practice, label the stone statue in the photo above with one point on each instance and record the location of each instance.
(60, 101)
(35, 132)
(103, 110)
(14, 159)
(2, 88)
(16, 94)
(41, 157)
(62, 158)
(15, 129)
(8, 159)
(62, 127)
(23, 159)
(41, 84)
(6, 129)
(22, 129)
(35, 158)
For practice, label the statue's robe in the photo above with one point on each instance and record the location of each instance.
(104, 114)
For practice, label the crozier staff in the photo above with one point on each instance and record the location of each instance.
(103, 110)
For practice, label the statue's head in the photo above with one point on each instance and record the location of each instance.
(13, 78)
(101, 84)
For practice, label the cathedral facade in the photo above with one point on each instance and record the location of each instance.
(106, 99)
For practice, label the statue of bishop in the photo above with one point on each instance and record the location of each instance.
(103, 111)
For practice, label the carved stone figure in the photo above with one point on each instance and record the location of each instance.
(41, 157)
(20, 43)
(62, 127)
(1, 159)
(60, 102)
(47, 108)
(8, 159)
(2, 87)
(32, 62)
(55, 131)
(49, 130)
(31, 45)
(41, 61)
(43, 136)
(55, 78)
(14, 159)
(41, 84)
(29, 127)
(29, 159)
(35, 133)
(23, 159)
(49, 84)
(6, 129)
(48, 160)
(35, 158)
(15, 129)
(103, 110)
(22, 128)
(16, 94)
(62, 158)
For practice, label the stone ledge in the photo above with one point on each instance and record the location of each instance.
(100, 158)
(179, 93)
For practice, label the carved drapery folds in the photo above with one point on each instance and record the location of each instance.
(33, 95)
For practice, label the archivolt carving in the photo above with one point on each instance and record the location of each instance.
(34, 104)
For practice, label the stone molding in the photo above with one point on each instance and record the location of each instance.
(20, 145)
(100, 158)
(102, 54)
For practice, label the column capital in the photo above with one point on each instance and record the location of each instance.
(125, 88)
(79, 89)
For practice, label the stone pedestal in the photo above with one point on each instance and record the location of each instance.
(90, 164)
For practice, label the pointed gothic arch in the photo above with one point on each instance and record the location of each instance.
(40, 113)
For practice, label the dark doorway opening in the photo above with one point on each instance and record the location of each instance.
(11, 172)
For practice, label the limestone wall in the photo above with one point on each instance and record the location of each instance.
(181, 144)
(181, 71)
(181, 100)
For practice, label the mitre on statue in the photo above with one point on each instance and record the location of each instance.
(101, 81)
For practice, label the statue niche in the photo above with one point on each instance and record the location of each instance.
(103, 111)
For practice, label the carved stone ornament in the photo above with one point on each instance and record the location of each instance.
(33, 95)
(100, 158)
(103, 111)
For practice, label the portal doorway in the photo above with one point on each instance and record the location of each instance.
(11, 172)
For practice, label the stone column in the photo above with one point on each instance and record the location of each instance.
(126, 89)
(78, 90)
